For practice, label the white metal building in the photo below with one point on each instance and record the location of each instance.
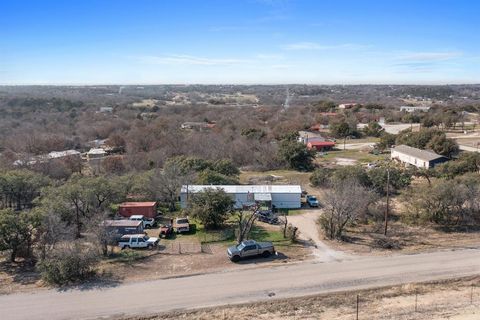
(416, 157)
(413, 108)
(280, 196)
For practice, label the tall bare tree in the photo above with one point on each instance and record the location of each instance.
(345, 202)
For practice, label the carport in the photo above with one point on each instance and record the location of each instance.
(263, 200)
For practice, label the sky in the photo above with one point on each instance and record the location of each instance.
(84, 42)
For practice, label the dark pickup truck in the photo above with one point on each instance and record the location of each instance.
(250, 248)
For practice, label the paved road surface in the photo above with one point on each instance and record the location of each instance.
(239, 286)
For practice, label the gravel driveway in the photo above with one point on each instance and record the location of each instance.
(308, 227)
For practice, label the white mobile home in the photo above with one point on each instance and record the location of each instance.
(280, 196)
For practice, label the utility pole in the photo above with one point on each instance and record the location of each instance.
(388, 200)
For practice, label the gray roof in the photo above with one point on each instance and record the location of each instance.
(245, 188)
(417, 153)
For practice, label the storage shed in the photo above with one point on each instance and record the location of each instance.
(280, 196)
(147, 209)
(123, 227)
(416, 157)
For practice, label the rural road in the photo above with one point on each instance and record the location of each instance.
(239, 286)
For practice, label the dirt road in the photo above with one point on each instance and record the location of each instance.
(239, 286)
(308, 227)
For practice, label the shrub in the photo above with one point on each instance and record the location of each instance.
(320, 177)
(68, 265)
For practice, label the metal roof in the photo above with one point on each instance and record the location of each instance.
(245, 188)
(122, 223)
(417, 153)
(262, 197)
(138, 204)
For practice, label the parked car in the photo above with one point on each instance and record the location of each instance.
(166, 231)
(181, 225)
(137, 241)
(147, 222)
(250, 248)
(312, 201)
(267, 216)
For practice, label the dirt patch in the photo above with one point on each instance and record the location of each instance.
(451, 299)
(345, 162)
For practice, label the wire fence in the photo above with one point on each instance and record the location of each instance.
(422, 303)
(176, 247)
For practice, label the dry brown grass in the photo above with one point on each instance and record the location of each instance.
(435, 300)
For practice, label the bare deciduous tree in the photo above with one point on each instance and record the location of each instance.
(346, 201)
(245, 221)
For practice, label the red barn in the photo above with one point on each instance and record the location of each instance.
(147, 209)
(320, 145)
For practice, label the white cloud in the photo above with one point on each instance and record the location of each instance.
(430, 56)
(181, 59)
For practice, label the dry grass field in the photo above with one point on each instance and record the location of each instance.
(453, 299)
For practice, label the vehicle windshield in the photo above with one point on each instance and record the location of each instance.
(240, 247)
(182, 221)
(146, 238)
(313, 198)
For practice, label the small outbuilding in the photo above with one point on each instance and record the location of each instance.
(123, 227)
(320, 145)
(416, 157)
(147, 209)
(278, 196)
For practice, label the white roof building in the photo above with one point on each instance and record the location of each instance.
(416, 157)
(413, 109)
(96, 153)
(280, 196)
(63, 154)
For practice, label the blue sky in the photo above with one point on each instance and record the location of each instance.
(250, 41)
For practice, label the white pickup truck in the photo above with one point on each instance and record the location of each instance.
(137, 241)
(147, 223)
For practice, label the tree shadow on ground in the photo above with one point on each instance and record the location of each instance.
(22, 272)
(98, 282)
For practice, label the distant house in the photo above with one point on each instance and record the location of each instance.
(106, 109)
(189, 125)
(96, 153)
(63, 154)
(320, 146)
(347, 105)
(147, 209)
(413, 109)
(54, 155)
(416, 157)
(315, 141)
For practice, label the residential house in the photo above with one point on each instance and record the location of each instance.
(416, 157)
